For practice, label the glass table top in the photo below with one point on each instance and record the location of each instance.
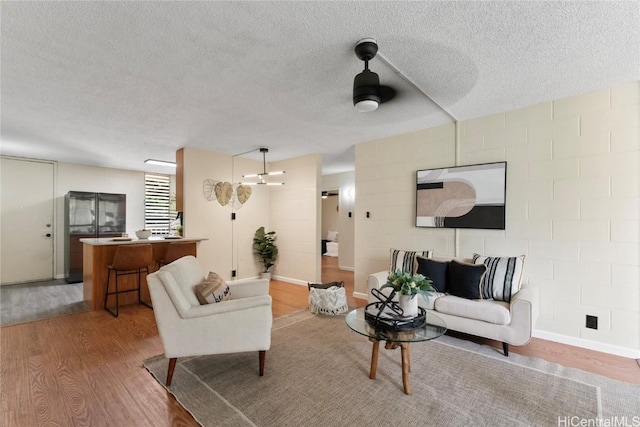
(434, 328)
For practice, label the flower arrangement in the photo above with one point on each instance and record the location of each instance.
(406, 283)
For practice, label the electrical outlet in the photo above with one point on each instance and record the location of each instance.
(592, 322)
(233, 273)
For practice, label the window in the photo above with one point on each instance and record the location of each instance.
(159, 204)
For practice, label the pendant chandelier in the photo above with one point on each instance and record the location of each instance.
(261, 175)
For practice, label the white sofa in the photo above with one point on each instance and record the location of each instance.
(509, 322)
(188, 328)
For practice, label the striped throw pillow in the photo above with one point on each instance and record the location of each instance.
(406, 260)
(502, 279)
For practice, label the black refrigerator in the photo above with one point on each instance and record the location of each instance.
(88, 215)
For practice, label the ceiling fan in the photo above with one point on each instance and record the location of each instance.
(368, 93)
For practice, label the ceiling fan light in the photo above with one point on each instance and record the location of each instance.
(366, 105)
(366, 91)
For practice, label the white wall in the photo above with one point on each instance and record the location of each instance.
(345, 182)
(228, 244)
(74, 177)
(385, 180)
(292, 211)
(573, 207)
(296, 217)
(254, 214)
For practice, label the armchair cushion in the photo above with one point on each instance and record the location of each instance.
(171, 287)
(187, 274)
(213, 289)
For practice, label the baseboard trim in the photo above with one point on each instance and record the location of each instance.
(290, 280)
(345, 268)
(359, 295)
(588, 344)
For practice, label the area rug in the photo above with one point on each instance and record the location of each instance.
(317, 374)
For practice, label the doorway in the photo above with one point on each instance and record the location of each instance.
(26, 210)
(330, 227)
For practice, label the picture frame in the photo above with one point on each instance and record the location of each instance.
(471, 196)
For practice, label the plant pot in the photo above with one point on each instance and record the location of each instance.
(408, 305)
(266, 275)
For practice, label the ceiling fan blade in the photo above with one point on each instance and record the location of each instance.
(386, 93)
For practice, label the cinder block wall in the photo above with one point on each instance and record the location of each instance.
(573, 207)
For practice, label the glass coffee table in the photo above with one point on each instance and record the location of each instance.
(434, 328)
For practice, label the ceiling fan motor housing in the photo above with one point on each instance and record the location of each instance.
(366, 49)
(366, 86)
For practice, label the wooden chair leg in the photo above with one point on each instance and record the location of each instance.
(172, 366)
(505, 349)
(261, 357)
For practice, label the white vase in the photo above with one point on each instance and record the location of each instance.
(408, 305)
(266, 275)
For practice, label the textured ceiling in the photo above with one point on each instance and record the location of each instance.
(115, 83)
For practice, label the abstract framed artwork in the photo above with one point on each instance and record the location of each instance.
(462, 196)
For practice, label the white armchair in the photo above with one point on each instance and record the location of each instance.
(190, 329)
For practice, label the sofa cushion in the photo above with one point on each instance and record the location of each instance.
(428, 301)
(495, 312)
(436, 271)
(503, 276)
(406, 260)
(213, 289)
(463, 280)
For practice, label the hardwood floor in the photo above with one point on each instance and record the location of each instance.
(86, 368)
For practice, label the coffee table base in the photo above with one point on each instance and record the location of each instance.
(405, 353)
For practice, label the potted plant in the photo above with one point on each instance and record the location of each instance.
(408, 285)
(179, 230)
(265, 248)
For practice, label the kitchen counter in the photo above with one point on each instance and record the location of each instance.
(134, 240)
(98, 253)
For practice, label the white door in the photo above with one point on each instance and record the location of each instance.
(26, 217)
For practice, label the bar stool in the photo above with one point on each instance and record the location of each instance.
(128, 259)
(177, 250)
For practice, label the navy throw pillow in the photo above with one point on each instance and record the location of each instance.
(434, 270)
(464, 279)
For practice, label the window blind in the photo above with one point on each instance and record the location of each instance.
(159, 211)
